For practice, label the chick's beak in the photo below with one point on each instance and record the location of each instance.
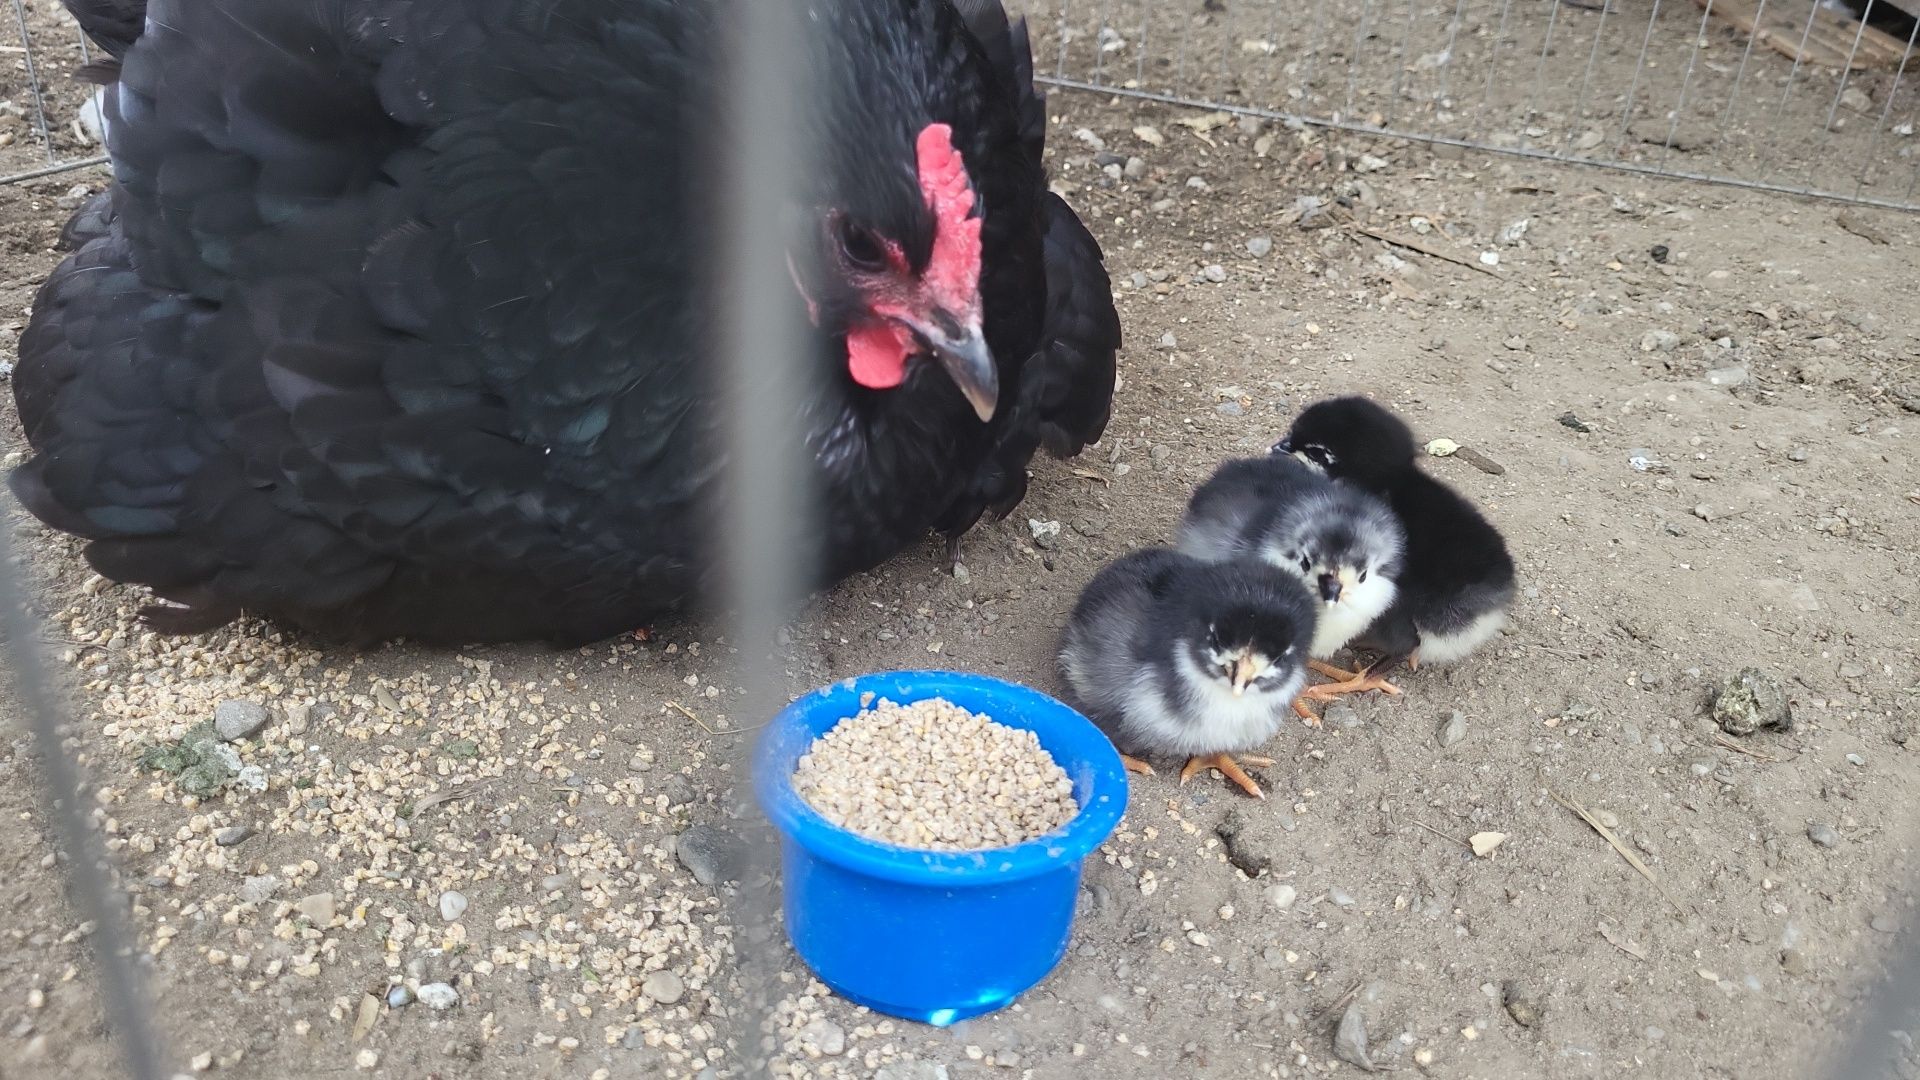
(1243, 673)
(1335, 585)
(961, 348)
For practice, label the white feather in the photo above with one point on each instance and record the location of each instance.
(1438, 649)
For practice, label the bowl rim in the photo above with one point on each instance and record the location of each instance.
(800, 823)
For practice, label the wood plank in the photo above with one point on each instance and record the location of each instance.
(1782, 26)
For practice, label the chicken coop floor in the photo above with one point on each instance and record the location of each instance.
(1754, 353)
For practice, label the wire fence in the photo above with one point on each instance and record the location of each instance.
(1778, 95)
(1658, 90)
(1785, 96)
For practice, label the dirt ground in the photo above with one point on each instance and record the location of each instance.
(1749, 350)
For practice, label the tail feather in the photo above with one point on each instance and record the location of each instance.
(113, 24)
(1072, 377)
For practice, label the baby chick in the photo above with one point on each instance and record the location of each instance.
(1171, 655)
(1341, 542)
(1456, 581)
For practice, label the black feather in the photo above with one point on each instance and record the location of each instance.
(395, 321)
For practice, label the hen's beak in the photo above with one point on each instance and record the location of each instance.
(962, 350)
(1243, 673)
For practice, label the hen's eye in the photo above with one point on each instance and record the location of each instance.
(861, 247)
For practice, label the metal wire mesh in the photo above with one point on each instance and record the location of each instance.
(1646, 86)
(1665, 94)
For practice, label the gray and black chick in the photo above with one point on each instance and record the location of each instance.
(1173, 656)
(1343, 543)
(1456, 581)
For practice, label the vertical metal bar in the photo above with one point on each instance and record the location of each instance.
(1493, 66)
(1787, 91)
(1453, 35)
(1686, 83)
(1540, 70)
(1140, 58)
(33, 79)
(1639, 68)
(1846, 70)
(1180, 62)
(1586, 77)
(768, 537)
(1886, 110)
(1060, 60)
(1825, 138)
(1740, 75)
(1400, 66)
(1100, 41)
(1229, 45)
(1313, 50)
(1353, 61)
(90, 889)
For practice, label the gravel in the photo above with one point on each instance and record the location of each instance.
(711, 855)
(438, 995)
(1452, 729)
(932, 775)
(236, 720)
(452, 905)
(1751, 700)
(664, 987)
(232, 834)
(1824, 835)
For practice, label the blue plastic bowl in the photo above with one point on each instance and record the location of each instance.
(934, 936)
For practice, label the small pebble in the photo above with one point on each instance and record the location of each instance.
(824, 1036)
(399, 997)
(1659, 341)
(1453, 729)
(452, 905)
(1824, 835)
(1341, 715)
(1259, 246)
(236, 720)
(1214, 272)
(438, 996)
(1281, 896)
(318, 908)
(712, 855)
(663, 986)
(1885, 924)
(232, 835)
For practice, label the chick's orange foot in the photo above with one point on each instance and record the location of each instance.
(1228, 767)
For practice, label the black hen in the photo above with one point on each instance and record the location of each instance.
(397, 325)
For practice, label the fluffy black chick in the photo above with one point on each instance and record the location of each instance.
(1343, 543)
(1456, 581)
(1174, 656)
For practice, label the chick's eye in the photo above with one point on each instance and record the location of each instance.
(860, 247)
(1363, 575)
(1306, 563)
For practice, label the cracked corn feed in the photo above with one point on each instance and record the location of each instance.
(932, 775)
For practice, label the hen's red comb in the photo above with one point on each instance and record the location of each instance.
(953, 271)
